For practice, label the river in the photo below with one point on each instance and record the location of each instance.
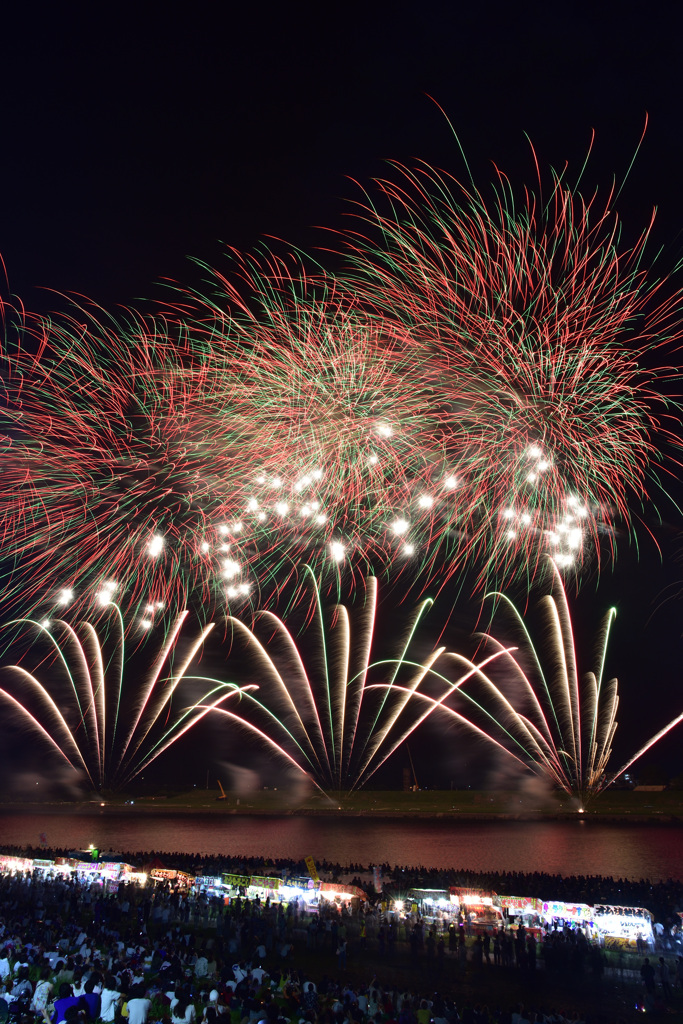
(555, 847)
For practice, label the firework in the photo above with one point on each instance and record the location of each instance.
(206, 456)
(118, 462)
(95, 712)
(331, 712)
(545, 713)
(474, 395)
(360, 457)
(325, 474)
(200, 462)
(536, 331)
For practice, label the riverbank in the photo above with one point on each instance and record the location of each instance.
(631, 806)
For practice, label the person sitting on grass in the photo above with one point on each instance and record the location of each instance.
(138, 1005)
(109, 999)
(183, 1012)
(66, 999)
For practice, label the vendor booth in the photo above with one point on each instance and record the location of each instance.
(621, 927)
(525, 910)
(558, 914)
(432, 904)
(479, 908)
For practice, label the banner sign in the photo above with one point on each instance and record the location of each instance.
(310, 865)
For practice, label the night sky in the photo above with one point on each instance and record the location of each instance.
(136, 136)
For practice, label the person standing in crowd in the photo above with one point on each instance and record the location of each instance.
(647, 973)
(341, 954)
(663, 972)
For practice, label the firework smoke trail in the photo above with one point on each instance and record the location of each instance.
(103, 727)
(533, 329)
(558, 723)
(329, 720)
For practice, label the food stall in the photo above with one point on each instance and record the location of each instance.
(15, 865)
(480, 909)
(526, 910)
(432, 904)
(170, 875)
(340, 892)
(558, 914)
(294, 890)
(263, 888)
(210, 885)
(620, 927)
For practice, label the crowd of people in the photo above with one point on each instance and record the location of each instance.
(664, 899)
(72, 953)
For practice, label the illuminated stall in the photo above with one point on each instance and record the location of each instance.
(170, 875)
(340, 892)
(15, 865)
(108, 873)
(558, 914)
(43, 864)
(432, 904)
(313, 894)
(237, 884)
(299, 890)
(481, 909)
(303, 890)
(211, 885)
(620, 927)
(263, 888)
(525, 909)
(61, 867)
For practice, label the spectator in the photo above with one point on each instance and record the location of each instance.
(66, 999)
(109, 999)
(138, 1006)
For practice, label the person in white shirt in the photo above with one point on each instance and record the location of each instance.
(109, 996)
(22, 988)
(138, 1006)
(183, 1012)
(41, 996)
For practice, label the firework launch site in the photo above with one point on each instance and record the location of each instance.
(642, 805)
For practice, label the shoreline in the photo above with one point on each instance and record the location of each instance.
(171, 806)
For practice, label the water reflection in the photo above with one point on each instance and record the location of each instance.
(581, 847)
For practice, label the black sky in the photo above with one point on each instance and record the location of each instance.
(136, 135)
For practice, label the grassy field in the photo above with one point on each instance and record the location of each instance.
(601, 1000)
